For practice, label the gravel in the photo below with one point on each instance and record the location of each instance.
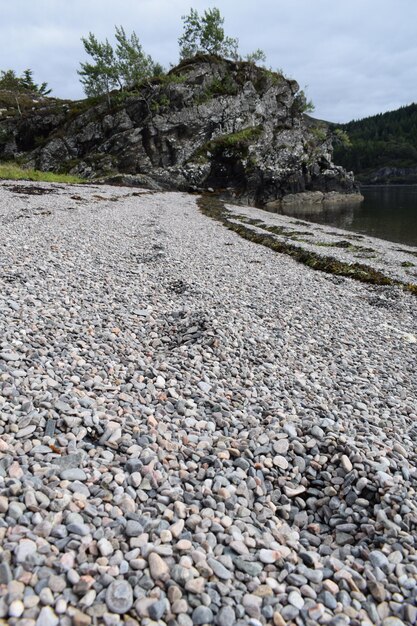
(194, 429)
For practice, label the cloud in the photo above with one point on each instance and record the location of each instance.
(357, 58)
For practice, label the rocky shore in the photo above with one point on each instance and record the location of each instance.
(195, 429)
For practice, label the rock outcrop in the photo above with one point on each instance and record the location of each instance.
(210, 123)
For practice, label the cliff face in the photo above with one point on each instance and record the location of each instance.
(210, 123)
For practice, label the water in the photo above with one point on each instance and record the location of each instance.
(388, 212)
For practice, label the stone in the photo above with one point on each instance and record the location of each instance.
(133, 528)
(81, 619)
(346, 463)
(226, 616)
(378, 559)
(280, 461)
(219, 569)
(160, 382)
(47, 617)
(4, 504)
(79, 529)
(105, 547)
(6, 574)
(202, 615)
(249, 567)
(16, 608)
(119, 597)
(205, 387)
(158, 567)
(252, 605)
(377, 590)
(296, 600)
(25, 549)
(278, 619)
(157, 609)
(268, 556)
(73, 473)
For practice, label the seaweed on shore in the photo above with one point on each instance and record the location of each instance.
(213, 206)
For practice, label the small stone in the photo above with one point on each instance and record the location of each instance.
(119, 597)
(70, 460)
(328, 600)
(16, 608)
(252, 604)
(316, 612)
(205, 387)
(202, 615)
(331, 586)
(195, 585)
(177, 528)
(79, 529)
(263, 591)
(278, 619)
(81, 619)
(73, 473)
(47, 617)
(133, 528)
(157, 609)
(142, 606)
(6, 574)
(10, 356)
(226, 616)
(160, 382)
(219, 569)
(346, 463)
(280, 461)
(158, 568)
(25, 549)
(296, 600)
(105, 547)
(377, 590)
(378, 559)
(292, 492)
(15, 471)
(50, 427)
(46, 596)
(57, 584)
(4, 504)
(281, 446)
(249, 567)
(268, 556)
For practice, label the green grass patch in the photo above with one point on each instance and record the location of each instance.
(11, 171)
(234, 145)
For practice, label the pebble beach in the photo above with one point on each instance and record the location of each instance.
(195, 429)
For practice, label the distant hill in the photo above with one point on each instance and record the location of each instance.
(383, 147)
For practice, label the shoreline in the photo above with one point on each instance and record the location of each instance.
(193, 428)
(333, 250)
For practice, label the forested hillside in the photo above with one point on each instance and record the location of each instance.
(382, 148)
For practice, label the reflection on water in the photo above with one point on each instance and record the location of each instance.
(387, 212)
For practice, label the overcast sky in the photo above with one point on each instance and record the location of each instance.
(355, 57)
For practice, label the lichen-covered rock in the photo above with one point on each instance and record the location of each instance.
(211, 123)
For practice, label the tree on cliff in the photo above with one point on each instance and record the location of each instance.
(22, 84)
(123, 66)
(206, 34)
